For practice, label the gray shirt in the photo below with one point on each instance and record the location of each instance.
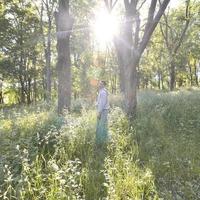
(102, 100)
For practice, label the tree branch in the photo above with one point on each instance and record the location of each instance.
(110, 5)
(150, 15)
(165, 35)
(141, 5)
(185, 27)
(107, 5)
(149, 31)
(114, 4)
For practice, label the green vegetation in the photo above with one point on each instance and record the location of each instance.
(53, 53)
(44, 156)
(168, 138)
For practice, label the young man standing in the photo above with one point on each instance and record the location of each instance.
(102, 114)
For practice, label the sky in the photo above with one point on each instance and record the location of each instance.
(174, 3)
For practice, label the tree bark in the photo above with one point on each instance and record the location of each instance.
(29, 91)
(1, 92)
(190, 75)
(196, 75)
(22, 90)
(49, 6)
(159, 80)
(48, 63)
(130, 49)
(64, 25)
(34, 80)
(172, 76)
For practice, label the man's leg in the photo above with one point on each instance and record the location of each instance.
(102, 127)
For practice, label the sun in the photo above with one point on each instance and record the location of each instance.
(105, 27)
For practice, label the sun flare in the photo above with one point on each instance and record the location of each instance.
(105, 27)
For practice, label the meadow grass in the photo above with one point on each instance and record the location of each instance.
(168, 138)
(44, 156)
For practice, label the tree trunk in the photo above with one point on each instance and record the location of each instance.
(159, 80)
(196, 75)
(131, 88)
(22, 89)
(29, 91)
(191, 79)
(48, 63)
(34, 81)
(1, 92)
(1, 97)
(47, 49)
(64, 25)
(162, 81)
(130, 47)
(176, 42)
(172, 76)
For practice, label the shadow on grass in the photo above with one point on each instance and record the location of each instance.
(94, 188)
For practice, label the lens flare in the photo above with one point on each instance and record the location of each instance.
(105, 27)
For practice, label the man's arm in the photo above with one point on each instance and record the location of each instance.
(101, 102)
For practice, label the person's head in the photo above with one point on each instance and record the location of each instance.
(102, 84)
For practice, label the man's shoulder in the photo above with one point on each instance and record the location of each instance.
(104, 91)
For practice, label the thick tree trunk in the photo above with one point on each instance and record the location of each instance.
(130, 48)
(131, 88)
(63, 25)
(129, 69)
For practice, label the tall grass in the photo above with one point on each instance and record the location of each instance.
(155, 157)
(168, 137)
(69, 165)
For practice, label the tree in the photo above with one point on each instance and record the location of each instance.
(1, 90)
(81, 48)
(64, 24)
(173, 37)
(130, 46)
(18, 45)
(46, 11)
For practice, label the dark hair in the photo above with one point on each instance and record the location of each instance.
(104, 82)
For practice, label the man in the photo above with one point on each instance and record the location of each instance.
(102, 115)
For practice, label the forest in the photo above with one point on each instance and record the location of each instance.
(55, 55)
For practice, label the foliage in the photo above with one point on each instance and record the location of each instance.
(168, 140)
(63, 162)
